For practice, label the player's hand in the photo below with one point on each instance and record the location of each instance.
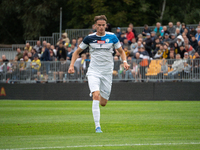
(71, 70)
(126, 66)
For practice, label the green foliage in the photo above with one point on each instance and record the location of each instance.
(28, 19)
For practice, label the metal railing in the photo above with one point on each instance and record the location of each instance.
(140, 71)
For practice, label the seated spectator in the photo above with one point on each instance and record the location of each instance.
(35, 64)
(125, 43)
(133, 46)
(155, 44)
(74, 42)
(19, 54)
(171, 59)
(118, 32)
(177, 32)
(132, 29)
(28, 47)
(147, 43)
(182, 51)
(180, 40)
(139, 45)
(198, 48)
(197, 36)
(38, 47)
(62, 69)
(30, 56)
(158, 29)
(27, 62)
(123, 36)
(54, 50)
(69, 52)
(61, 53)
(65, 38)
(25, 53)
(171, 28)
(44, 43)
(165, 52)
(159, 53)
(33, 51)
(193, 42)
(187, 66)
(192, 32)
(4, 59)
(74, 48)
(166, 38)
(129, 35)
(146, 30)
(173, 38)
(127, 52)
(52, 56)
(177, 67)
(165, 30)
(135, 70)
(186, 31)
(164, 69)
(189, 49)
(176, 48)
(196, 64)
(153, 36)
(178, 25)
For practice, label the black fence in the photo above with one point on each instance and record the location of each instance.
(120, 91)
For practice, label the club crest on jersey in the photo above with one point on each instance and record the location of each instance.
(100, 42)
(107, 40)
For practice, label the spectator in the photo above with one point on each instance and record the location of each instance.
(165, 52)
(74, 48)
(153, 36)
(135, 70)
(189, 49)
(30, 56)
(21, 64)
(132, 29)
(19, 54)
(183, 27)
(166, 38)
(159, 53)
(4, 59)
(164, 69)
(197, 36)
(155, 46)
(148, 43)
(178, 25)
(139, 45)
(129, 35)
(46, 54)
(165, 30)
(177, 32)
(158, 29)
(65, 38)
(180, 40)
(127, 52)
(128, 73)
(38, 47)
(125, 44)
(196, 63)
(52, 56)
(118, 32)
(186, 31)
(62, 69)
(54, 50)
(146, 30)
(28, 47)
(44, 43)
(173, 39)
(171, 59)
(133, 46)
(122, 38)
(198, 48)
(35, 64)
(69, 52)
(182, 51)
(27, 62)
(171, 28)
(74, 42)
(25, 53)
(193, 42)
(116, 66)
(33, 51)
(108, 27)
(187, 66)
(61, 53)
(192, 32)
(177, 67)
(80, 39)
(94, 28)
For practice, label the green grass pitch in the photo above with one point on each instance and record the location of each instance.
(143, 125)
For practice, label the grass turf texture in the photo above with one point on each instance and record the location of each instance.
(27, 124)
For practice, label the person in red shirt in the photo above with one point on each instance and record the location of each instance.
(130, 35)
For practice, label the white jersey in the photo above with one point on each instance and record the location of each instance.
(101, 49)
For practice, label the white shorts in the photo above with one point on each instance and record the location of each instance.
(100, 83)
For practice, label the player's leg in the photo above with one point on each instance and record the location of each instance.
(105, 89)
(94, 85)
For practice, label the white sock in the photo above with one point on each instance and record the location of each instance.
(96, 112)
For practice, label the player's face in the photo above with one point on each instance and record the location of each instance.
(101, 26)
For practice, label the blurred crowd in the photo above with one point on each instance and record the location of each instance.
(178, 46)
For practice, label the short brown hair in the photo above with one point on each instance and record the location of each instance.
(101, 17)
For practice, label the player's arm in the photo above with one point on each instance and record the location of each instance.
(74, 57)
(123, 56)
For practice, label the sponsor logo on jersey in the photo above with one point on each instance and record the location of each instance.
(107, 40)
(94, 40)
(100, 42)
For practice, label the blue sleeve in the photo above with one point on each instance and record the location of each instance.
(86, 40)
(115, 39)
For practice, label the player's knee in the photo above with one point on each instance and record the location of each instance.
(103, 103)
(96, 95)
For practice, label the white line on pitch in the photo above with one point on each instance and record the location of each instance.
(107, 145)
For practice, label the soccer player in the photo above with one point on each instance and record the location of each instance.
(100, 70)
